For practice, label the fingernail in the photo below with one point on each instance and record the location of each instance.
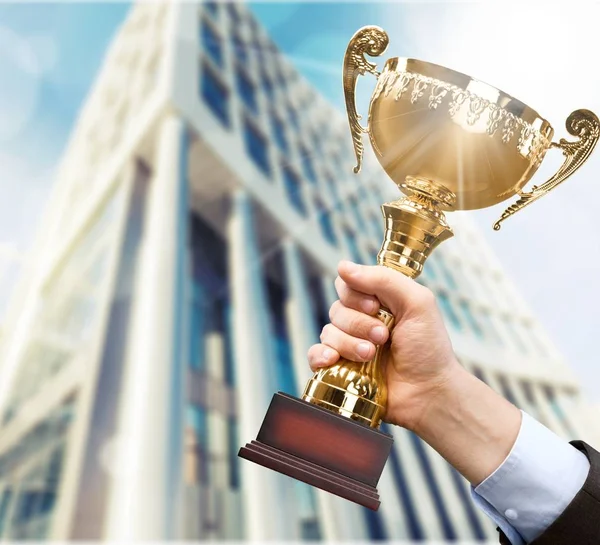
(378, 333)
(328, 354)
(363, 350)
(368, 305)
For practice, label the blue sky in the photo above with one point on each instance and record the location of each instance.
(50, 54)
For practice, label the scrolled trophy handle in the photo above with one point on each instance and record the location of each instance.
(581, 123)
(373, 41)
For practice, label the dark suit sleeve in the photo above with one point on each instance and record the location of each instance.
(579, 524)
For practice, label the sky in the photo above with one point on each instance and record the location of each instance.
(50, 54)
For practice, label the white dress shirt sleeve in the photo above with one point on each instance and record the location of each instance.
(535, 483)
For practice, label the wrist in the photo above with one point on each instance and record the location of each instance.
(439, 397)
(469, 424)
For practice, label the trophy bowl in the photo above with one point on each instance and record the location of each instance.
(444, 134)
(430, 122)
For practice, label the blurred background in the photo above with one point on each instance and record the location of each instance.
(176, 192)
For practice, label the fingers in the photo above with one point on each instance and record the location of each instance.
(355, 299)
(357, 324)
(321, 355)
(393, 289)
(346, 345)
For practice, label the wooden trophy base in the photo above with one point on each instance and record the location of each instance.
(321, 448)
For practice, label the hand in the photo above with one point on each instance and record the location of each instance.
(429, 392)
(420, 359)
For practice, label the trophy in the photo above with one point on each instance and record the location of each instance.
(449, 142)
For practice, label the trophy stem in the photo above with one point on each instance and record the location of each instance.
(414, 226)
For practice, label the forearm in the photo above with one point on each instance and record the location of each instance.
(469, 424)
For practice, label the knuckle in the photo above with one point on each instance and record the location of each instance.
(327, 331)
(334, 309)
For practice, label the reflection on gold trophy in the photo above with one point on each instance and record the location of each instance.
(449, 142)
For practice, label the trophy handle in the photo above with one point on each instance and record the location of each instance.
(581, 123)
(373, 41)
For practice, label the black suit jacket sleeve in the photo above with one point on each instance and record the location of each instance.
(579, 524)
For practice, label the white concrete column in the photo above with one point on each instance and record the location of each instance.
(146, 492)
(255, 374)
(300, 318)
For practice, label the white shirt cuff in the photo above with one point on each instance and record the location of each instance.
(535, 483)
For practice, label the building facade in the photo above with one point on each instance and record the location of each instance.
(184, 267)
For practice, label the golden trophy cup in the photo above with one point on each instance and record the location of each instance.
(449, 142)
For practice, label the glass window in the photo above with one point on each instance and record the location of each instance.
(267, 85)
(246, 90)
(333, 188)
(429, 270)
(307, 165)
(256, 146)
(448, 310)
(27, 504)
(215, 94)
(375, 525)
(319, 303)
(212, 42)
(240, 49)
(448, 275)
(414, 525)
(197, 420)
(293, 117)
(277, 294)
(212, 7)
(279, 132)
(355, 253)
(432, 484)
(293, 189)
(507, 390)
(356, 211)
(234, 446)
(479, 374)
(557, 410)
(471, 320)
(324, 216)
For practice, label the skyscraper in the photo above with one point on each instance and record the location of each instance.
(185, 265)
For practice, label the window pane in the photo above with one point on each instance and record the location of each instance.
(279, 132)
(256, 146)
(448, 310)
(352, 244)
(307, 165)
(324, 217)
(215, 94)
(240, 49)
(471, 320)
(246, 90)
(293, 189)
(212, 43)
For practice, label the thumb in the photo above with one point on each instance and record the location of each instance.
(399, 293)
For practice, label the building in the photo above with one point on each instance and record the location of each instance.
(184, 266)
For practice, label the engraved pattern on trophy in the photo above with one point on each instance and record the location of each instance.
(581, 123)
(499, 120)
(373, 41)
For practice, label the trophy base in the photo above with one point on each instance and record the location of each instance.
(321, 448)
